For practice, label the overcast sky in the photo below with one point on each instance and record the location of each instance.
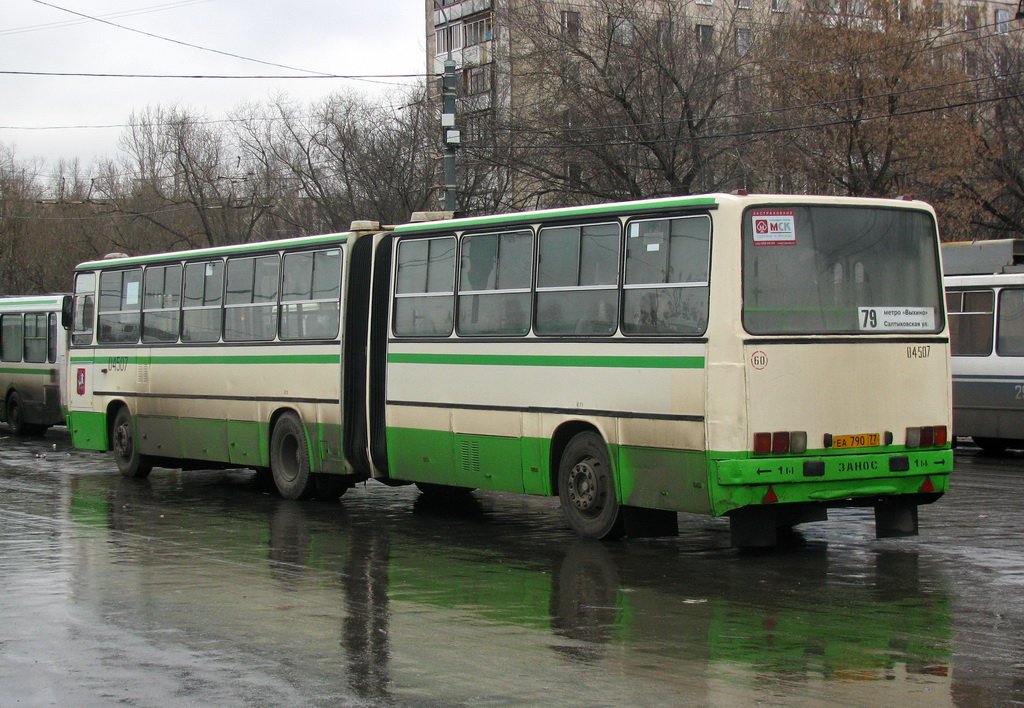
(349, 37)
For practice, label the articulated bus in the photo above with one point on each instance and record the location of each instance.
(764, 358)
(33, 363)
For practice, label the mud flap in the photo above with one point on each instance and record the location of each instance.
(753, 527)
(649, 523)
(895, 518)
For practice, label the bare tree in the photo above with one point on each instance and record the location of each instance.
(621, 100)
(867, 98)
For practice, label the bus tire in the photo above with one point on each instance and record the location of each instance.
(586, 489)
(14, 414)
(289, 459)
(126, 452)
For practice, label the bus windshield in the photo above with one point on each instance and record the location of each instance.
(840, 269)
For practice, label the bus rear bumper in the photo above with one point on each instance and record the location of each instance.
(824, 471)
(762, 494)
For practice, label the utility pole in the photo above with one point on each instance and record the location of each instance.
(449, 133)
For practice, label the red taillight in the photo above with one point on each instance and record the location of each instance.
(927, 486)
(770, 497)
(780, 443)
(927, 436)
(762, 443)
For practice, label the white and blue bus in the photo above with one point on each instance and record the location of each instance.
(764, 358)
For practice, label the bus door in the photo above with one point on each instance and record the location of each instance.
(81, 365)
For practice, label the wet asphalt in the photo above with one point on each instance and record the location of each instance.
(201, 589)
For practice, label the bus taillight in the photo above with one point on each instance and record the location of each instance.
(781, 442)
(927, 436)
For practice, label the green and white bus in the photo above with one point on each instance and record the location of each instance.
(764, 358)
(33, 362)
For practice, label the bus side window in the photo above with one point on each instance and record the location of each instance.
(13, 336)
(425, 287)
(310, 295)
(51, 338)
(971, 319)
(494, 284)
(161, 304)
(120, 306)
(35, 337)
(1010, 340)
(578, 279)
(201, 313)
(666, 288)
(250, 299)
(84, 308)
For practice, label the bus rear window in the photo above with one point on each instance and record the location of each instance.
(832, 269)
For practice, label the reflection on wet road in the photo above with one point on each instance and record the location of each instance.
(196, 588)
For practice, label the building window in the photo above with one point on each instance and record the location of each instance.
(780, 5)
(1002, 21)
(572, 74)
(665, 35)
(705, 37)
(572, 25)
(477, 31)
(743, 39)
(972, 65)
(449, 38)
(704, 2)
(622, 29)
(744, 4)
(476, 79)
(971, 20)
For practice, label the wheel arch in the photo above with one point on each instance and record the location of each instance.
(560, 439)
(314, 459)
(110, 413)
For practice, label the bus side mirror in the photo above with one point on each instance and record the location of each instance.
(66, 312)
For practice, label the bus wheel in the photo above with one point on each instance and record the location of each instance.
(289, 459)
(14, 418)
(586, 488)
(126, 452)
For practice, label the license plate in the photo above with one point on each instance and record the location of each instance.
(843, 442)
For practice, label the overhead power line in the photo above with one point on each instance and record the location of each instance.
(177, 41)
(92, 75)
(124, 13)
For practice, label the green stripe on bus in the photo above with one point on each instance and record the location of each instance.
(38, 371)
(210, 359)
(616, 362)
(623, 208)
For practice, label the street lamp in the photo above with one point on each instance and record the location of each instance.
(449, 133)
